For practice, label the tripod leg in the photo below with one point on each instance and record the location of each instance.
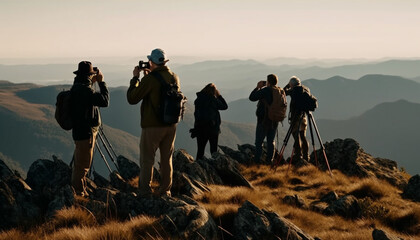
(312, 138)
(276, 162)
(302, 115)
(101, 129)
(107, 149)
(320, 142)
(103, 156)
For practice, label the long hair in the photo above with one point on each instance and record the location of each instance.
(209, 89)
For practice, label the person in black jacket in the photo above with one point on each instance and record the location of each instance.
(295, 89)
(207, 118)
(86, 119)
(266, 128)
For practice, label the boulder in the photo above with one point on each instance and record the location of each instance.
(228, 170)
(244, 154)
(329, 197)
(412, 190)
(62, 198)
(348, 157)
(18, 202)
(183, 185)
(347, 206)
(253, 223)
(47, 177)
(295, 200)
(382, 235)
(127, 168)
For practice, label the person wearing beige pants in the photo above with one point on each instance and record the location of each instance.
(83, 155)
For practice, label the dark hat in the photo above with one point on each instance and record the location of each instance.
(85, 68)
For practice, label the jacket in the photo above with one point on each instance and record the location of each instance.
(263, 95)
(295, 93)
(206, 113)
(148, 90)
(85, 102)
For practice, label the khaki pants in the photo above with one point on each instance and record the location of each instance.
(83, 154)
(151, 139)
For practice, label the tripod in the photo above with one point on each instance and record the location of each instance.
(108, 148)
(311, 123)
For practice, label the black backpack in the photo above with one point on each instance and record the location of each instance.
(172, 104)
(63, 110)
(305, 101)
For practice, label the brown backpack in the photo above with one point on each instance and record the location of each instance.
(276, 112)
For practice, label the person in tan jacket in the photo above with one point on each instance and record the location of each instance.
(155, 134)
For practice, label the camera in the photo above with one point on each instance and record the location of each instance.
(264, 83)
(95, 69)
(144, 65)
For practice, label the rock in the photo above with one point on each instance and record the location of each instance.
(252, 223)
(348, 157)
(189, 222)
(347, 207)
(318, 206)
(228, 170)
(100, 181)
(119, 183)
(182, 184)
(62, 198)
(295, 200)
(127, 168)
(46, 176)
(18, 202)
(237, 155)
(412, 190)
(382, 235)
(329, 197)
(190, 177)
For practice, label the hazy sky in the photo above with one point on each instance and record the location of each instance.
(230, 28)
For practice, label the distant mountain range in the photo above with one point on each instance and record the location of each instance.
(340, 98)
(389, 130)
(234, 78)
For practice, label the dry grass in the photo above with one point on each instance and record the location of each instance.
(381, 203)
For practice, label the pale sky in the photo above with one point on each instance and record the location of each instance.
(230, 28)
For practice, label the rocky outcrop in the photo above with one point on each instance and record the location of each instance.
(254, 223)
(190, 177)
(18, 202)
(244, 154)
(348, 157)
(382, 235)
(347, 206)
(412, 190)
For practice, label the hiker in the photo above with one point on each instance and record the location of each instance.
(155, 133)
(207, 118)
(294, 89)
(266, 128)
(86, 120)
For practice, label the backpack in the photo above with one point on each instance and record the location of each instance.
(172, 105)
(306, 102)
(276, 112)
(63, 110)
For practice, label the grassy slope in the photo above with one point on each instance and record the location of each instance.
(387, 210)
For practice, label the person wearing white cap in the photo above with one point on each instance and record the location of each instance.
(155, 133)
(294, 89)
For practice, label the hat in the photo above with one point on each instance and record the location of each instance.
(84, 68)
(158, 56)
(294, 81)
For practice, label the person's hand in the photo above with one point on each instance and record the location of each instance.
(136, 72)
(261, 84)
(217, 93)
(98, 77)
(146, 71)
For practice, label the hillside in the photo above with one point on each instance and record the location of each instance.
(27, 122)
(388, 130)
(233, 77)
(340, 98)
